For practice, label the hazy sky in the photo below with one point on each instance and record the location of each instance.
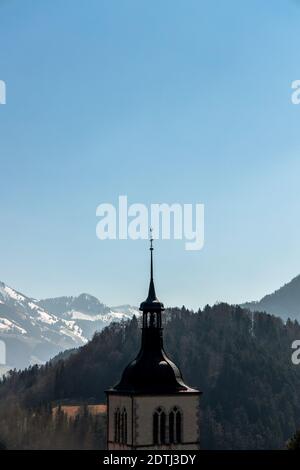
(164, 101)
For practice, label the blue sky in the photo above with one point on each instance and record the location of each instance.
(162, 101)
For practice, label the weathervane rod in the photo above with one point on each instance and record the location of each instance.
(151, 251)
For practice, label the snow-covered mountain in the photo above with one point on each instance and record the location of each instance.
(32, 331)
(87, 312)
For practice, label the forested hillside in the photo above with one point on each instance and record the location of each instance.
(241, 361)
(284, 302)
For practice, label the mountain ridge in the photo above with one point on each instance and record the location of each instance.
(283, 302)
(33, 330)
(36, 330)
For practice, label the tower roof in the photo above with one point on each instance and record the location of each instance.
(152, 372)
(151, 303)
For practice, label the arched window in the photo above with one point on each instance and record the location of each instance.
(175, 426)
(151, 320)
(155, 427)
(120, 426)
(159, 427)
(171, 427)
(124, 427)
(117, 419)
(162, 428)
(178, 427)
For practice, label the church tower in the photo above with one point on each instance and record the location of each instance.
(151, 407)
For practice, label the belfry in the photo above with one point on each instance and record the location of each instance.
(151, 407)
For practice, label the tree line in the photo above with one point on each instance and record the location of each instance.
(240, 360)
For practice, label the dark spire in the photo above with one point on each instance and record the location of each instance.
(151, 303)
(152, 372)
(151, 252)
